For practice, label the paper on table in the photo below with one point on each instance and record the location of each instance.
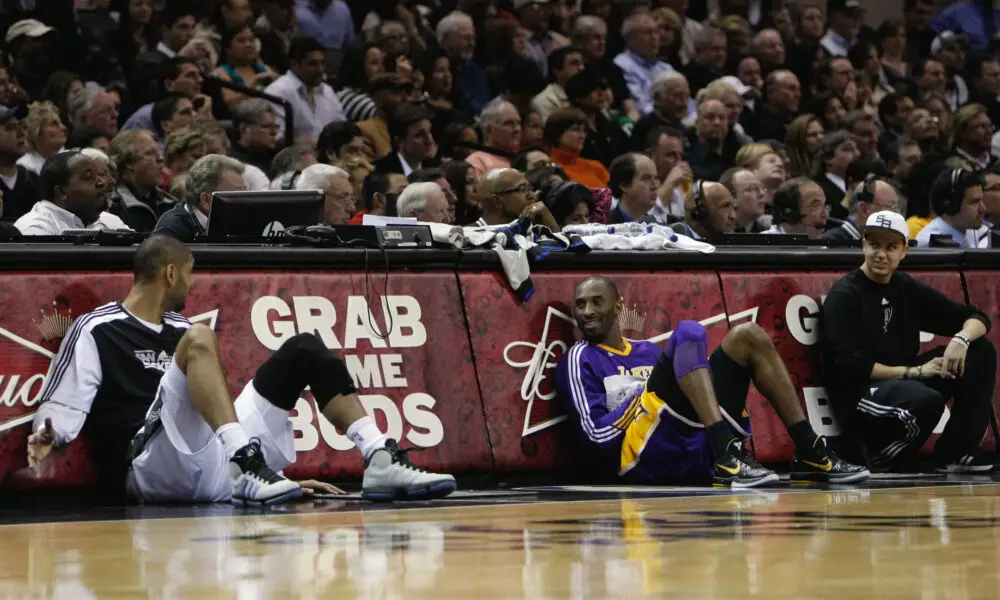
(380, 221)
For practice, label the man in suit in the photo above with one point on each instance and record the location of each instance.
(413, 145)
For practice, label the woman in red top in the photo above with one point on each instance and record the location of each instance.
(565, 134)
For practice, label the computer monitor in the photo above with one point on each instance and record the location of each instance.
(256, 215)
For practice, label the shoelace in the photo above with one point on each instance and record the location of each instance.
(257, 467)
(401, 456)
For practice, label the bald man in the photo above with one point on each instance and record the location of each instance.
(709, 213)
(869, 197)
(769, 49)
(782, 94)
(505, 196)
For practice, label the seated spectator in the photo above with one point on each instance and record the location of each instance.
(749, 200)
(19, 185)
(868, 197)
(276, 27)
(338, 141)
(463, 181)
(189, 219)
(177, 23)
(671, 98)
(633, 186)
(501, 125)
(75, 197)
(313, 101)
(957, 200)
(974, 135)
(87, 136)
(529, 158)
(505, 196)
(389, 91)
(838, 150)
(178, 75)
(335, 183)
(46, 135)
(183, 148)
(802, 143)
(379, 194)
(653, 416)
(766, 164)
(95, 106)
(639, 60)
(436, 175)
(240, 64)
(563, 64)
(140, 163)
(565, 134)
(456, 35)
(60, 89)
(709, 213)
(705, 154)
(359, 65)
(114, 214)
(289, 162)
(901, 155)
(571, 203)
(170, 113)
(666, 147)
(424, 202)
(782, 95)
(590, 92)
(255, 121)
(799, 207)
(875, 373)
(358, 168)
(412, 141)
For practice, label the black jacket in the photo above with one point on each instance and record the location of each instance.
(17, 202)
(260, 158)
(768, 126)
(180, 223)
(390, 163)
(834, 196)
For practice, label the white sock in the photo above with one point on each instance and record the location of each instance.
(366, 436)
(232, 437)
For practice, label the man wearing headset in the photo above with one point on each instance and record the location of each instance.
(709, 212)
(870, 196)
(800, 207)
(877, 379)
(957, 199)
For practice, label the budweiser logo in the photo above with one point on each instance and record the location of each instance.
(22, 391)
(538, 383)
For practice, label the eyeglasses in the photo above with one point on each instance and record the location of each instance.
(524, 188)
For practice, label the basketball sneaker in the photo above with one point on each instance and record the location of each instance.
(970, 463)
(389, 475)
(255, 483)
(738, 469)
(822, 464)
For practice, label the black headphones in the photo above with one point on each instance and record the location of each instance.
(699, 212)
(865, 193)
(951, 202)
(786, 204)
(289, 184)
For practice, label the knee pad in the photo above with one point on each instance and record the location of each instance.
(688, 348)
(303, 360)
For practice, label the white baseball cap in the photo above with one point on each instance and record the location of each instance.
(891, 221)
(28, 27)
(736, 84)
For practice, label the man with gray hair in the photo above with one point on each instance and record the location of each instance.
(709, 60)
(338, 193)
(590, 35)
(501, 125)
(96, 107)
(256, 123)
(290, 162)
(212, 173)
(639, 61)
(424, 202)
(671, 97)
(456, 35)
(769, 49)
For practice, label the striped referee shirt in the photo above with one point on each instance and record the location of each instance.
(104, 378)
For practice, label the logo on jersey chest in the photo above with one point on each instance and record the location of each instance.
(887, 315)
(151, 360)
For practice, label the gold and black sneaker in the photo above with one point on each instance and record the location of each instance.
(738, 470)
(822, 464)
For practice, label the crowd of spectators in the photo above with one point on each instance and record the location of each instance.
(731, 116)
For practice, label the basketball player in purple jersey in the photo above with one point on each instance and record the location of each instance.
(670, 415)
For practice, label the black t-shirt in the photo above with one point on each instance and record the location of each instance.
(865, 322)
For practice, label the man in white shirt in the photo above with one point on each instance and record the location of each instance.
(74, 186)
(639, 62)
(314, 103)
(957, 200)
(844, 20)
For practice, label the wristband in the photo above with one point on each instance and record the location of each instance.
(920, 372)
(962, 339)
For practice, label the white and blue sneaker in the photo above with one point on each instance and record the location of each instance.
(389, 475)
(254, 483)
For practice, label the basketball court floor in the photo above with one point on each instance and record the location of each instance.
(913, 537)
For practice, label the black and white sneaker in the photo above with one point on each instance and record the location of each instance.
(389, 475)
(970, 463)
(255, 483)
(738, 469)
(822, 464)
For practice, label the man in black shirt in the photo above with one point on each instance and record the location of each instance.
(18, 185)
(782, 94)
(894, 396)
(705, 155)
(148, 388)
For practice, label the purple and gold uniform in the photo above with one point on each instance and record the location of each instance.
(616, 398)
